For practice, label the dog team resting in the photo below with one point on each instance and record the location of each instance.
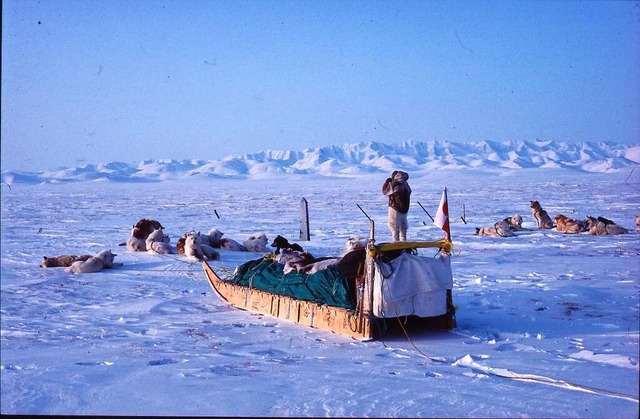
(561, 223)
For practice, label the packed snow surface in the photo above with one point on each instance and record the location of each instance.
(547, 322)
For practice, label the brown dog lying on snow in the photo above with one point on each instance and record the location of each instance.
(139, 234)
(62, 261)
(568, 225)
(144, 227)
(601, 226)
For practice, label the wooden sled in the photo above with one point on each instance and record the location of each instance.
(359, 324)
(352, 323)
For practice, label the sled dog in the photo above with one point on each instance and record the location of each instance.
(139, 234)
(194, 248)
(62, 261)
(601, 226)
(293, 260)
(230, 244)
(96, 263)
(499, 229)
(180, 244)
(158, 243)
(144, 227)
(257, 243)
(135, 244)
(213, 237)
(282, 243)
(568, 225)
(515, 223)
(542, 217)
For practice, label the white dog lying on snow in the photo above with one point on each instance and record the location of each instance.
(96, 263)
(158, 243)
(257, 243)
(135, 244)
(499, 229)
(212, 238)
(194, 248)
(230, 244)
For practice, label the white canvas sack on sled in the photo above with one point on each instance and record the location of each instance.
(412, 285)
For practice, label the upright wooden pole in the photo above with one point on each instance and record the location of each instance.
(304, 220)
(370, 267)
(369, 271)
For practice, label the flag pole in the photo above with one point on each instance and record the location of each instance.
(451, 308)
(447, 233)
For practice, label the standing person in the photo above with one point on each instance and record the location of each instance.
(397, 189)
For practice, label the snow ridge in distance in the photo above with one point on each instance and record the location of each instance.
(359, 159)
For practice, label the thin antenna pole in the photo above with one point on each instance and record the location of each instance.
(425, 211)
(372, 225)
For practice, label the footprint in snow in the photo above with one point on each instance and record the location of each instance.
(233, 370)
(89, 363)
(506, 347)
(165, 361)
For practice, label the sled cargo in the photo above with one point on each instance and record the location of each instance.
(391, 281)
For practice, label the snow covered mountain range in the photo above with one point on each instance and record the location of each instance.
(358, 159)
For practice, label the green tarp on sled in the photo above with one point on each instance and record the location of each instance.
(324, 287)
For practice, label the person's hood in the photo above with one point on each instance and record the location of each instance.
(400, 175)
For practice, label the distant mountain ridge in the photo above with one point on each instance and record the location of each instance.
(359, 159)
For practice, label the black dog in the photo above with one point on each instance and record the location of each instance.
(605, 221)
(282, 243)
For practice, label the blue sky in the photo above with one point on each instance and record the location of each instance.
(98, 81)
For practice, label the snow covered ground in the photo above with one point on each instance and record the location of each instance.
(547, 323)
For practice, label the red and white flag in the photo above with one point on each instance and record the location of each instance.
(442, 216)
